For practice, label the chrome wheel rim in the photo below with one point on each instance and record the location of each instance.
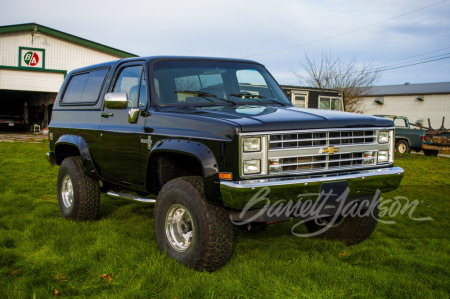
(67, 192)
(179, 228)
(402, 148)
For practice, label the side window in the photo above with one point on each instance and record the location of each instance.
(84, 88)
(158, 93)
(131, 81)
(142, 92)
(400, 122)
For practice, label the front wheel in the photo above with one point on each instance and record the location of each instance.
(190, 229)
(78, 194)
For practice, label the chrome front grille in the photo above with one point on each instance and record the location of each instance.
(318, 162)
(311, 139)
(321, 151)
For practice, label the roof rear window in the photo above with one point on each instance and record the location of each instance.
(85, 88)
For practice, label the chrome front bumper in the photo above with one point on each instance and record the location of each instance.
(236, 194)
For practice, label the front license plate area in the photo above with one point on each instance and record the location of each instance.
(337, 190)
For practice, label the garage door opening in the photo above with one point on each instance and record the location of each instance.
(22, 110)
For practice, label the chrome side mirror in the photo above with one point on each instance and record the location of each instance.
(119, 100)
(116, 100)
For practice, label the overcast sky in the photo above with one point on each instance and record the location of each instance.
(275, 33)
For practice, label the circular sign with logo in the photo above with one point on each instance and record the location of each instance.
(31, 58)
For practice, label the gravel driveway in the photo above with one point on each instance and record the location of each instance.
(26, 137)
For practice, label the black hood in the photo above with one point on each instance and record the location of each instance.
(255, 118)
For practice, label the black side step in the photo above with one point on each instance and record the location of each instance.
(129, 196)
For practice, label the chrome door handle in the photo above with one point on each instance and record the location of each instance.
(106, 115)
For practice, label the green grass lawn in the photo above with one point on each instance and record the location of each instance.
(117, 256)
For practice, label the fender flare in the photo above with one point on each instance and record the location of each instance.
(83, 149)
(197, 150)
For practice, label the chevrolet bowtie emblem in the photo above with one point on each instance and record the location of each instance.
(331, 150)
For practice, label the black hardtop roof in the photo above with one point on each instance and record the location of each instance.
(150, 59)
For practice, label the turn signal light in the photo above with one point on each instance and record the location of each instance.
(225, 176)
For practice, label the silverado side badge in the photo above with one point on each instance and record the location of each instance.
(148, 141)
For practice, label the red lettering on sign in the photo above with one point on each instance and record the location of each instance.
(34, 60)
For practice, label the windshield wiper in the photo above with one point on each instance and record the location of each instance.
(246, 95)
(249, 95)
(204, 95)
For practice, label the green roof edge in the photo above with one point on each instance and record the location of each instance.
(66, 36)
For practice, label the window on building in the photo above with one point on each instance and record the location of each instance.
(84, 88)
(299, 100)
(330, 103)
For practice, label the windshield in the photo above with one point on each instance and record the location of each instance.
(192, 82)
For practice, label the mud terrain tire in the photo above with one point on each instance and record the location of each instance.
(190, 229)
(78, 194)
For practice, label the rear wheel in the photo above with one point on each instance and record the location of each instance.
(428, 152)
(190, 229)
(78, 194)
(351, 230)
(403, 147)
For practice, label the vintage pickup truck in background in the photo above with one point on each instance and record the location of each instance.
(406, 138)
(430, 140)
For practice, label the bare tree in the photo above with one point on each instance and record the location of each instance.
(353, 79)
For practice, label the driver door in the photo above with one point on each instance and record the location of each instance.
(120, 139)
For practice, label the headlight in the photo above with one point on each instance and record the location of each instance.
(252, 166)
(252, 144)
(383, 136)
(383, 156)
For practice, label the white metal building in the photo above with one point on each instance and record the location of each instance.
(418, 102)
(34, 61)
